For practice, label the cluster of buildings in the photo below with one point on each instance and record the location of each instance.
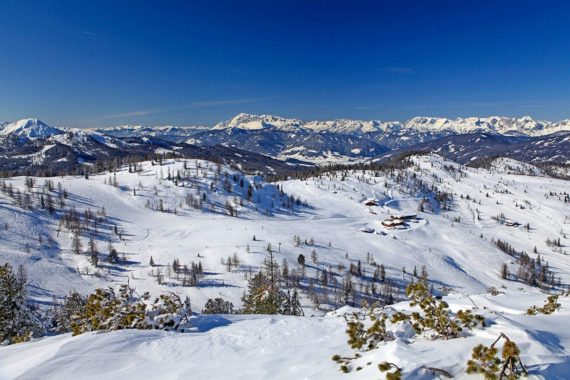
(394, 220)
(397, 220)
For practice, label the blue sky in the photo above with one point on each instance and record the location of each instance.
(102, 63)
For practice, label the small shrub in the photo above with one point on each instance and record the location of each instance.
(396, 373)
(359, 336)
(484, 360)
(550, 306)
(436, 314)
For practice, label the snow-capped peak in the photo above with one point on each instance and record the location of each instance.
(255, 122)
(30, 129)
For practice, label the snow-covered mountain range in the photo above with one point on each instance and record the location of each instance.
(526, 126)
(319, 142)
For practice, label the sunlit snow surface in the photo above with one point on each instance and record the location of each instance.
(458, 255)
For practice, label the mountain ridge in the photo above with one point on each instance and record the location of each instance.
(503, 125)
(294, 140)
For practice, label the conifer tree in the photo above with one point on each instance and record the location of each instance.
(93, 253)
(76, 246)
(73, 305)
(17, 319)
(262, 296)
(218, 306)
(113, 256)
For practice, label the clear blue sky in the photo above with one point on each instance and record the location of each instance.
(100, 63)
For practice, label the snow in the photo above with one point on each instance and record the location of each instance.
(29, 129)
(455, 246)
(279, 347)
(253, 122)
(454, 253)
(511, 166)
(442, 126)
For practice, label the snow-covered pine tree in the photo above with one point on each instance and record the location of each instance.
(218, 306)
(169, 312)
(290, 304)
(105, 310)
(113, 256)
(73, 304)
(18, 321)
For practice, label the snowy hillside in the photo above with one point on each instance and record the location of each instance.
(510, 166)
(279, 347)
(187, 217)
(364, 235)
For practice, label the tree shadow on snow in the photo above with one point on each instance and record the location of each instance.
(214, 284)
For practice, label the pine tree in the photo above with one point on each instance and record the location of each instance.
(76, 246)
(73, 305)
(285, 272)
(105, 310)
(504, 271)
(290, 304)
(218, 306)
(17, 319)
(262, 296)
(113, 256)
(49, 203)
(382, 273)
(93, 253)
(270, 266)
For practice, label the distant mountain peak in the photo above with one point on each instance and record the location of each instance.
(31, 128)
(256, 122)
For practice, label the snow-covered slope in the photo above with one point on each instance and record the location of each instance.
(279, 347)
(510, 166)
(456, 245)
(180, 210)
